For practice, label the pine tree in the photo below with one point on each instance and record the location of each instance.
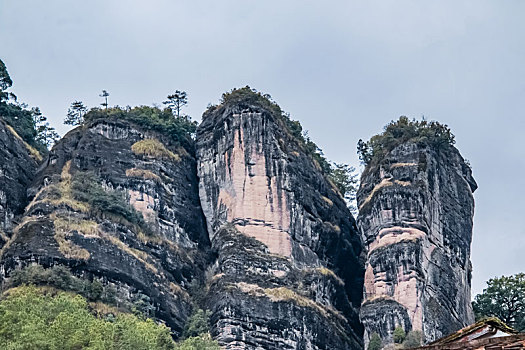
(105, 95)
(5, 83)
(45, 134)
(176, 101)
(75, 114)
(375, 342)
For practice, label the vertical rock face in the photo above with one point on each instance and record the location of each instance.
(288, 273)
(415, 216)
(148, 258)
(17, 169)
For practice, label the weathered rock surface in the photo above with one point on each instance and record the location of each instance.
(17, 169)
(154, 261)
(288, 273)
(416, 208)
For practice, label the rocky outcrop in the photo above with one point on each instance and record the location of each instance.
(118, 204)
(415, 216)
(288, 273)
(17, 169)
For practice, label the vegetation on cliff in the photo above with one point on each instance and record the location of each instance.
(402, 340)
(503, 298)
(425, 133)
(179, 128)
(29, 124)
(86, 188)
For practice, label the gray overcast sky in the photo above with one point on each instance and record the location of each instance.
(343, 68)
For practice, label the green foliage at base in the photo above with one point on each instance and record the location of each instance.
(60, 277)
(179, 129)
(201, 342)
(198, 323)
(399, 335)
(404, 130)
(32, 319)
(375, 342)
(503, 298)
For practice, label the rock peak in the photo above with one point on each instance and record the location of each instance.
(415, 216)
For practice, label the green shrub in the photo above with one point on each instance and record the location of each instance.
(404, 130)
(201, 342)
(375, 342)
(413, 340)
(198, 323)
(399, 335)
(33, 319)
(22, 122)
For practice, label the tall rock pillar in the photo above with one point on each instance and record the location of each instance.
(415, 215)
(288, 273)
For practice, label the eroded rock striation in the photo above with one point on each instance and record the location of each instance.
(288, 273)
(133, 214)
(415, 215)
(17, 169)
(117, 204)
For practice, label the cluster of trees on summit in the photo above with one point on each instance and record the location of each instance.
(29, 123)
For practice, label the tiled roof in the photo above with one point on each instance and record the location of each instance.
(492, 321)
(487, 334)
(511, 342)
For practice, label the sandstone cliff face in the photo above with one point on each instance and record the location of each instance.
(416, 208)
(288, 273)
(149, 261)
(17, 169)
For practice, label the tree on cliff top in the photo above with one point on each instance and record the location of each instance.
(425, 133)
(5, 81)
(29, 124)
(104, 95)
(75, 114)
(503, 298)
(176, 101)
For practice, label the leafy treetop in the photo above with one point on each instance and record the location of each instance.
(5, 81)
(404, 130)
(176, 101)
(75, 114)
(29, 124)
(503, 298)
